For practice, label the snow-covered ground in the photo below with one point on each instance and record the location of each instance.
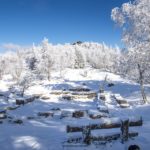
(49, 133)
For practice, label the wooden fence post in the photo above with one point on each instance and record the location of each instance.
(86, 135)
(124, 130)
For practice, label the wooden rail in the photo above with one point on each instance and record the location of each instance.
(104, 125)
(87, 137)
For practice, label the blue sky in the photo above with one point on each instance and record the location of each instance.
(61, 21)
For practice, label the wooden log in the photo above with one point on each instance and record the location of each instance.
(79, 93)
(92, 95)
(133, 123)
(97, 116)
(67, 97)
(133, 134)
(105, 138)
(36, 96)
(80, 89)
(45, 97)
(104, 111)
(74, 129)
(56, 92)
(30, 118)
(103, 126)
(46, 114)
(29, 100)
(75, 140)
(66, 92)
(78, 114)
(9, 117)
(18, 121)
(112, 137)
(56, 109)
(20, 102)
(93, 127)
(83, 95)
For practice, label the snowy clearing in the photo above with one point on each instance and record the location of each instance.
(44, 120)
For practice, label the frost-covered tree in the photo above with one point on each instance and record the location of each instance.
(101, 56)
(37, 61)
(31, 63)
(30, 71)
(46, 62)
(2, 67)
(79, 61)
(11, 63)
(17, 66)
(134, 18)
(25, 82)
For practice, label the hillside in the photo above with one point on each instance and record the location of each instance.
(40, 121)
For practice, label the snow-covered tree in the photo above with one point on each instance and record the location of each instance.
(17, 66)
(134, 18)
(30, 71)
(37, 61)
(46, 62)
(31, 63)
(79, 61)
(25, 82)
(2, 67)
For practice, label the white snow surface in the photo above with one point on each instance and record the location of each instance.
(49, 133)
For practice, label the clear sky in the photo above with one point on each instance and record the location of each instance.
(61, 21)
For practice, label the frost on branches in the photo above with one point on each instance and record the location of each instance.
(29, 64)
(134, 18)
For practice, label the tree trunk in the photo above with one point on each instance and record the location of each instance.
(141, 78)
(22, 93)
(49, 76)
